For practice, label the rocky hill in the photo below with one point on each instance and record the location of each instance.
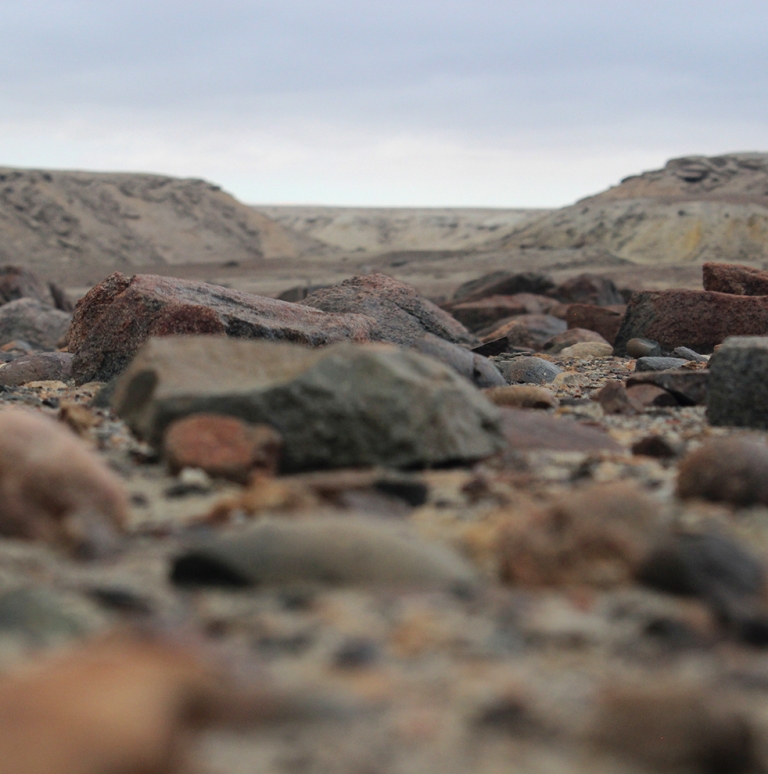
(79, 226)
(694, 209)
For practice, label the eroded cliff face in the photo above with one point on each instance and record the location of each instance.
(78, 222)
(695, 209)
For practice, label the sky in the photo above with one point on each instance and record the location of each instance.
(473, 103)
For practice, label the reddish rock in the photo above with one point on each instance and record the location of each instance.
(735, 279)
(20, 282)
(603, 320)
(52, 486)
(514, 332)
(114, 319)
(588, 289)
(531, 430)
(503, 283)
(699, 319)
(222, 446)
(614, 399)
(647, 395)
(402, 316)
(487, 311)
(688, 387)
(42, 366)
(570, 337)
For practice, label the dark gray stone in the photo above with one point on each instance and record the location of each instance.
(738, 383)
(478, 369)
(529, 370)
(689, 354)
(42, 366)
(345, 405)
(688, 387)
(335, 550)
(659, 363)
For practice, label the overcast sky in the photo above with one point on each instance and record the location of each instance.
(502, 103)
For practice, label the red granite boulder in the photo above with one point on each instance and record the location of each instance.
(699, 319)
(735, 279)
(114, 319)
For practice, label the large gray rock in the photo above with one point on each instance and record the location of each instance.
(737, 394)
(119, 314)
(403, 316)
(344, 405)
(336, 550)
(41, 366)
(33, 321)
(478, 369)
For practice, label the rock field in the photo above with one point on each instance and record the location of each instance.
(525, 530)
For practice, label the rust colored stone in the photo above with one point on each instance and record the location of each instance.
(735, 279)
(645, 395)
(603, 320)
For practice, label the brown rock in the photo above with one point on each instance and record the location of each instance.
(614, 399)
(32, 321)
(522, 396)
(572, 336)
(699, 319)
(603, 320)
(40, 367)
(477, 315)
(656, 446)
(402, 316)
(222, 446)
(503, 283)
(732, 470)
(52, 487)
(533, 430)
(540, 328)
(514, 333)
(588, 350)
(114, 319)
(588, 289)
(689, 387)
(597, 537)
(735, 279)
(647, 395)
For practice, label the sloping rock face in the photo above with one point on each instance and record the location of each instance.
(699, 319)
(696, 208)
(114, 319)
(61, 222)
(402, 315)
(344, 405)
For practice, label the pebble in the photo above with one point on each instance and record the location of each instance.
(647, 395)
(522, 396)
(732, 470)
(615, 399)
(588, 350)
(688, 354)
(659, 363)
(643, 348)
(530, 370)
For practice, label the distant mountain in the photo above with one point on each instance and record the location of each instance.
(87, 224)
(695, 209)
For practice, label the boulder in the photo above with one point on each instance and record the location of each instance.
(588, 350)
(588, 289)
(503, 283)
(40, 367)
(738, 383)
(699, 319)
(475, 367)
(735, 279)
(603, 320)
(114, 319)
(537, 329)
(20, 282)
(402, 316)
(32, 321)
(343, 405)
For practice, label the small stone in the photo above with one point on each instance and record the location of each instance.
(738, 383)
(522, 396)
(659, 363)
(344, 551)
(732, 470)
(529, 370)
(222, 446)
(588, 350)
(53, 487)
(688, 354)
(656, 446)
(556, 344)
(647, 395)
(643, 348)
(689, 387)
(614, 399)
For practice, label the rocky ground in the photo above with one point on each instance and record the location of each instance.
(410, 545)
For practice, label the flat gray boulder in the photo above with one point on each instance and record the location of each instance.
(344, 405)
(33, 321)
